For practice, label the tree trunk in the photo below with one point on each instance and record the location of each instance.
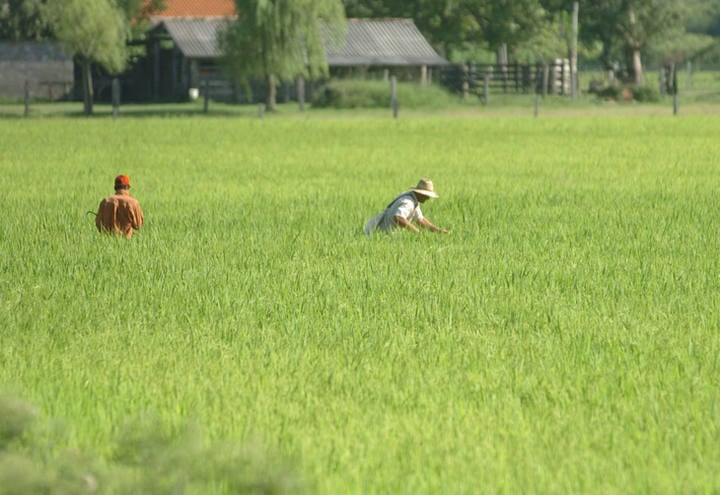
(637, 67)
(501, 56)
(271, 93)
(634, 49)
(502, 60)
(87, 87)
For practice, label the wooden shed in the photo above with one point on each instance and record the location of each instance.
(184, 51)
(42, 66)
(382, 45)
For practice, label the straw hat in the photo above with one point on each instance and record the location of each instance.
(425, 187)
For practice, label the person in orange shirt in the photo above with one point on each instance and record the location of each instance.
(119, 213)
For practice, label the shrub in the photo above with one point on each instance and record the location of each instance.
(645, 94)
(148, 458)
(376, 94)
(610, 92)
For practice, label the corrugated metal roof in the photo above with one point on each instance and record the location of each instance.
(382, 42)
(195, 37)
(389, 42)
(32, 51)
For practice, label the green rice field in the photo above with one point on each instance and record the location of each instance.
(564, 338)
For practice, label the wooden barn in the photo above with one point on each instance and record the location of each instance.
(380, 46)
(182, 50)
(40, 68)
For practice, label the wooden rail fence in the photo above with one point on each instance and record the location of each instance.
(481, 79)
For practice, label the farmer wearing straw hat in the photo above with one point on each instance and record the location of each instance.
(404, 210)
(119, 213)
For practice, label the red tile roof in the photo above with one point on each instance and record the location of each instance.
(198, 8)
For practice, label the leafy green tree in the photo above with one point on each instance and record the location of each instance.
(93, 32)
(279, 40)
(646, 20)
(626, 28)
(138, 12)
(27, 19)
(703, 17)
(22, 20)
(459, 25)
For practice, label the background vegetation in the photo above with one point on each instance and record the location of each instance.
(564, 337)
(698, 92)
(277, 42)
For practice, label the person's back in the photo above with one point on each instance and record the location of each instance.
(120, 213)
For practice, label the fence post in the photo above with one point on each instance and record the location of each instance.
(206, 96)
(573, 53)
(465, 82)
(661, 82)
(301, 92)
(688, 81)
(115, 97)
(486, 89)
(539, 77)
(393, 96)
(27, 98)
(674, 89)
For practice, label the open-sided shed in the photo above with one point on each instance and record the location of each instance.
(386, 44)
(181, 50)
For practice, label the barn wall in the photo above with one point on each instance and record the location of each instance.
(47, 69)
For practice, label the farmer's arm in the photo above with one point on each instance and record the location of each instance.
(429, 225)
(136, 216)
(405, 223)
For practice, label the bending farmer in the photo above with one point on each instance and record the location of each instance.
(119, 213)
(404, 210)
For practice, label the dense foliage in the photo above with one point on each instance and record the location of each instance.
(277, 40)
(376, 94)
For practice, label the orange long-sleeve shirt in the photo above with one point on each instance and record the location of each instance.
(119, 214)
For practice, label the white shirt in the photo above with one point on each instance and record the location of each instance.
(406, 205)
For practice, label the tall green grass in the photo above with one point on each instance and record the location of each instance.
(563, 338)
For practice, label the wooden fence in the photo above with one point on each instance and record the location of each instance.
(481, 79)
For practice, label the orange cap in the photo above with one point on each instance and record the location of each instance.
(122, 180)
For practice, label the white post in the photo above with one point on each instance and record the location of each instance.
(393, 96)
(573, 53)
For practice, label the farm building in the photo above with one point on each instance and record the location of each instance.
(44, 67)
(383, 44)
(183, 52)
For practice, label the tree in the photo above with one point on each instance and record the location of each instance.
(279, 40)
(22, 20)
(93, 32)
(138, 12)
(27, 19)
(702, 16)
(625, 28)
